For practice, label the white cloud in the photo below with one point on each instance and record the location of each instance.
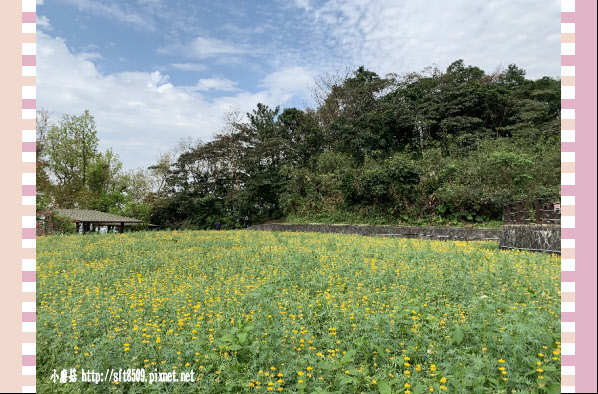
(203, 47)
(305, 4)
(215, 84)
(43, 22)
(114, 11)
(289, 82)
(139, 113)
(189, 66)
(389, 36)
(39, 2)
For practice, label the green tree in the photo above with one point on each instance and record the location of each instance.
(70, 148)
(43, 183)
(106, 182)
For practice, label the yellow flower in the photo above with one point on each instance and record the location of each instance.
(501, 360)
(300, 373)
(407, 385)
(443, 380)
(300, 381)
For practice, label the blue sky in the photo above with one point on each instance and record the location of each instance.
(155, 71)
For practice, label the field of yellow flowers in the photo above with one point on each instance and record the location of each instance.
(251, 311)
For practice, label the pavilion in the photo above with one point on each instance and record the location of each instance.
(84, 218)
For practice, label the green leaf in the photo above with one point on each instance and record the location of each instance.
(380, 351)
(541, 382)
(235, 347)
(384, 387)
(348, 357)
(242, 337)
(531, 291)
(418, 389)
(458, 335)
(553, 388)
(227, 338)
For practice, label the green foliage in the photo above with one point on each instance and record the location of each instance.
(49, 223)
(70, 147)
(511, 169)
(436, 148)
(74, 174)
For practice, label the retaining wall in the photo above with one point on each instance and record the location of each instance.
(434, 233)
(535, 237)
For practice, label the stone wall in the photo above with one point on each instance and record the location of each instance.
(535, 237)
(434, 233)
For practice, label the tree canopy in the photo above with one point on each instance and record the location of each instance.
(434, 147)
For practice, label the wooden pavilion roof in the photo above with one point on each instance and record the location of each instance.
(97, 217)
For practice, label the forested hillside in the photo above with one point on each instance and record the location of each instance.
(432, 147)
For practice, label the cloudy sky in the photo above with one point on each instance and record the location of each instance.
(154, 71)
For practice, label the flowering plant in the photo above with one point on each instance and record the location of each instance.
(47, 222)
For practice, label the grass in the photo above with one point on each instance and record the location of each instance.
(296, 312)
